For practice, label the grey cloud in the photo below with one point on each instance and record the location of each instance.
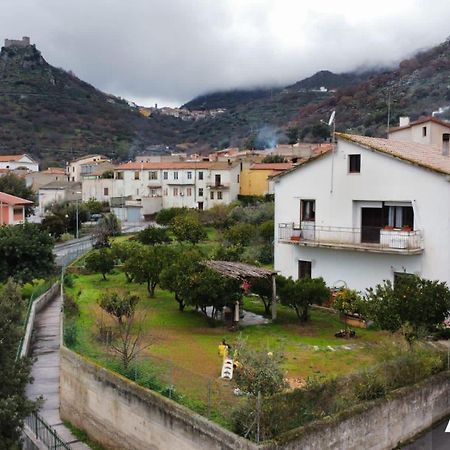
(173, 50)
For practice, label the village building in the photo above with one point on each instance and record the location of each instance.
(12, 209)
(36, 180)
(370, 210)
(83, 166)
(18, 162)
(256, 179)
(428, 130)
(58, 192)
(140, 189)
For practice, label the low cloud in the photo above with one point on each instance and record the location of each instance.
(169, 51)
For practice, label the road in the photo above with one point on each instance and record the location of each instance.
(68, 251)
(435, 439)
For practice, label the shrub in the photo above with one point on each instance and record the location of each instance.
(66, 237)
(348, 301)
(70, 334)
(153, 235)
(166, 215)
(240, 234)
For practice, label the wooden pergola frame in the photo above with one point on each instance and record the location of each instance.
(242, 271)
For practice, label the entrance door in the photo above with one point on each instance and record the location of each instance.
(200, 206)
(371, 224)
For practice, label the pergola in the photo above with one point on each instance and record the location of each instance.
(242, 271)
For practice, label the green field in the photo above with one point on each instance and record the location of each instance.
(182, 347)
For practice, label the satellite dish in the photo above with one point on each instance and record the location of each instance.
(330, 122)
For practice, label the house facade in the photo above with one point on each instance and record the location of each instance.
(81, 167)
(370, 210)
(255, 180)
(58, 192)
(156, 185)
(14, 162)
(12, 209)
(428, 131)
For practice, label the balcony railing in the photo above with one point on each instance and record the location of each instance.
(371, 239)
(213, 185)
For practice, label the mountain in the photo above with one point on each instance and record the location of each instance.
(419, 86)
(54, 116)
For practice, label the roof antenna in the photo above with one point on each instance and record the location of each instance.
(389, 113)
(332, 124)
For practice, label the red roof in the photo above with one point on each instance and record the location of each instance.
(271, 166)
(13, 200)
(175, 165)
(427, 156)
(7, 158)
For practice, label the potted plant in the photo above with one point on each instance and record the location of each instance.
(351, 307)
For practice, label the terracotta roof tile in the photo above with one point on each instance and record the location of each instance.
(176, 165)
(427, 156)
(13, 200)
(271, 166)
(7, 158)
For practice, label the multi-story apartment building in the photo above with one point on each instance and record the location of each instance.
(84, 166)
(157, 185)
(369, 210)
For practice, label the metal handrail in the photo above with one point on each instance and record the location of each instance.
(45, 433)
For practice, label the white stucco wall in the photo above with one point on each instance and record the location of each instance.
(382, 178)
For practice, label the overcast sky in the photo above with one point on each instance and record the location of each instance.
(169, 51)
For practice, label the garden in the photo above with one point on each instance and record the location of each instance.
(148, 307)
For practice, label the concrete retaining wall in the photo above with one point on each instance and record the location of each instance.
(122, 415)
(379, 425)
(119, 414)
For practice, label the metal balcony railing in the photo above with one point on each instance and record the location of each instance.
(214, 185)
(375, 239)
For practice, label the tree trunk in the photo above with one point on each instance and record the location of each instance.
(104, 276)
(180, 302)
(267, 303)
(151, 288)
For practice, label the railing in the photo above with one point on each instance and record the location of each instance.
(43, 432)
(213, 185)
(366, 238)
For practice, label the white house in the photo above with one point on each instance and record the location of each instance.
(369, 210)
(23, 161)
(157, 185)
(84, 166)
(58, 192)
(427, 130)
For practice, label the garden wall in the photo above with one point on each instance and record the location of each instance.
(378, 425)
(120, 414)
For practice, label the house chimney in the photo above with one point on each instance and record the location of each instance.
(445, 143)
(403, 121)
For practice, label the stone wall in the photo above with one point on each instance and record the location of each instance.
(119, 414)
(122, 415)
(379, 425)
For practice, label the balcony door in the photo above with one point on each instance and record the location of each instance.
(371, 224)
(217, 180)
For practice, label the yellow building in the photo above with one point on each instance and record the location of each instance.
(255, 179)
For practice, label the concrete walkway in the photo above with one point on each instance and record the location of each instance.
(46, 370)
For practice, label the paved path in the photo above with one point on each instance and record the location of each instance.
(46, 370)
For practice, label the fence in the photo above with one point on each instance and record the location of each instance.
(367, 237)
(44, 433)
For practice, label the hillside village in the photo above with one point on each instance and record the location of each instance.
(293, 294)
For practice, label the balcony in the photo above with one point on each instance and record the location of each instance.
(219, 186)
(366, 239)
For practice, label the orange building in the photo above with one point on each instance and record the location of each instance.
(12, 209)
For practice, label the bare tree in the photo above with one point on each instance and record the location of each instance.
(121, 307)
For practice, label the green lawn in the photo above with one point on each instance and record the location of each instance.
(183, 347)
